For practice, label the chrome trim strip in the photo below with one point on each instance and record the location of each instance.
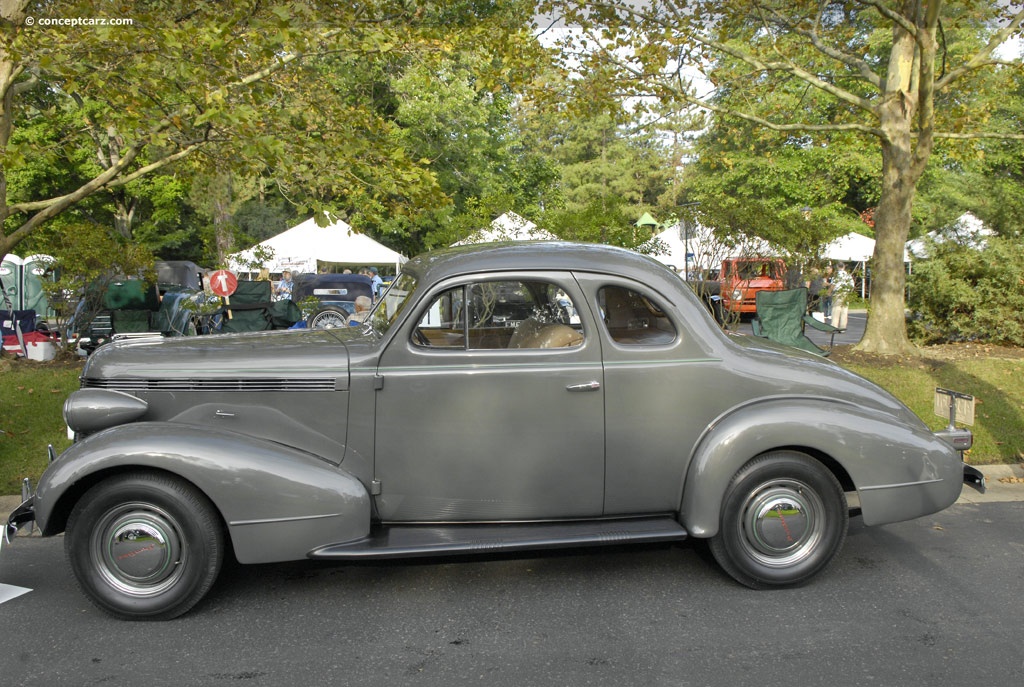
(270, 521)
(901, 484)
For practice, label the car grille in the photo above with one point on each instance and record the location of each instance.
(247, 385)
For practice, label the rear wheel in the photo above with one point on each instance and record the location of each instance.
(328, 318)
(784, 519)
(144, 546)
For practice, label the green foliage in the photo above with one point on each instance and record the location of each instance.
(92, 111)
(961, 293)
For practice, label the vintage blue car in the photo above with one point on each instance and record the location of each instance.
(499, 398)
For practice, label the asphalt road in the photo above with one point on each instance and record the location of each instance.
(932, 601)
(855, 325)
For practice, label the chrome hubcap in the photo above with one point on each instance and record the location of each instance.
(782, 522)
(138, 549)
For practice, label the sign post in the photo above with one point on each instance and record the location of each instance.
(223, 283)
(954, 405)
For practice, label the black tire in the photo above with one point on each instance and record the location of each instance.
(330, 317)
(784, 520)
(144, 546)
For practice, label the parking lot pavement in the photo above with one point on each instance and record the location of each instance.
(855, 325)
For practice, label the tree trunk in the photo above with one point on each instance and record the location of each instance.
(886, 331)
(902, 166)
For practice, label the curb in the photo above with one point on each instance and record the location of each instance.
(995, 492)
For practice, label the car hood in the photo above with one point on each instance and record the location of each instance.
(292, 354)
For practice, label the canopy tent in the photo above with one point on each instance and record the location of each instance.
(968, 230)
(508, 227)
(301, 247)
(852, 247)
(704, 250)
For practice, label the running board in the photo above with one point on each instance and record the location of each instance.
(403, 541)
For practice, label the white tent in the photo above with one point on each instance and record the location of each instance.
(705, 250)
(299, 249)
(968, 230)
(508, 227)
(852, 247)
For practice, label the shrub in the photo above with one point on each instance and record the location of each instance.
(964, 293)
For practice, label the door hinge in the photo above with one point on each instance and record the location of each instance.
(375, 488)
(378, 382)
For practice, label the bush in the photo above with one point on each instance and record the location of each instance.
(963, 293)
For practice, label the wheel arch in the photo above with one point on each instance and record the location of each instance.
(846, 439)
(276, 503)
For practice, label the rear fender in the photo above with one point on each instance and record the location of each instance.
(277, 503)
(900, 471)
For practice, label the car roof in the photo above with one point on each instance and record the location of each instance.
(531, 255)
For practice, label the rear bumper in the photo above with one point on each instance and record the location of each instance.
(973, 477)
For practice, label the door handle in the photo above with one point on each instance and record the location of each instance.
(586, 386)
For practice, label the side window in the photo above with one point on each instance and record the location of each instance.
(500, 314)
(634, 319)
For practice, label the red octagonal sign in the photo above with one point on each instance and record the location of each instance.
(223, 283)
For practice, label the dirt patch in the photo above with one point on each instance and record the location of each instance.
(63, 361)
(927, 354)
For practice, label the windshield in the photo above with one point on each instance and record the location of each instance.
(392, 302)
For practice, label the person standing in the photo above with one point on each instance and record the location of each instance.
(376, 283)
(842, 289)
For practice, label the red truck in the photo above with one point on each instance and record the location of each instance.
(742, 278)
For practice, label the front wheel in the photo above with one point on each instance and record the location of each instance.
(144, 546)
(784, 519)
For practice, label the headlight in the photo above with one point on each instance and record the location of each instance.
(737, 294)
(90, 410)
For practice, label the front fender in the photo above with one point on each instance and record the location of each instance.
(900, 470)
(278, 503)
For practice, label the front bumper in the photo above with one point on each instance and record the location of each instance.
(21, 516)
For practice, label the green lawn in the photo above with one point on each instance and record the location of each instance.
(32, 393)
(996, 382)
(31, 397)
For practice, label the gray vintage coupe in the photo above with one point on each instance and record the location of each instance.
(505, 397)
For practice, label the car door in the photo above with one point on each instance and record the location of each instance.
(659, 384)
(490, 405)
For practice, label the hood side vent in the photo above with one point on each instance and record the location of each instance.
(206, 384)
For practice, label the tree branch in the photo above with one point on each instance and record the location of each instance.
(893, 16)
(861, 66)
(984, 56)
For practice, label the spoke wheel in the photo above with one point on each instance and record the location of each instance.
(784, 519)
(144, 545)
(329, 319)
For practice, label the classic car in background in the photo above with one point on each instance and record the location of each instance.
(500, 398)
(335, 295)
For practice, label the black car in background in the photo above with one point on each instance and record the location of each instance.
(336, 295)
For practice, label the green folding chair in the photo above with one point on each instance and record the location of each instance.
(782, 316)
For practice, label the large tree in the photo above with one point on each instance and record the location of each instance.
(251, 86)
(899, 73)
